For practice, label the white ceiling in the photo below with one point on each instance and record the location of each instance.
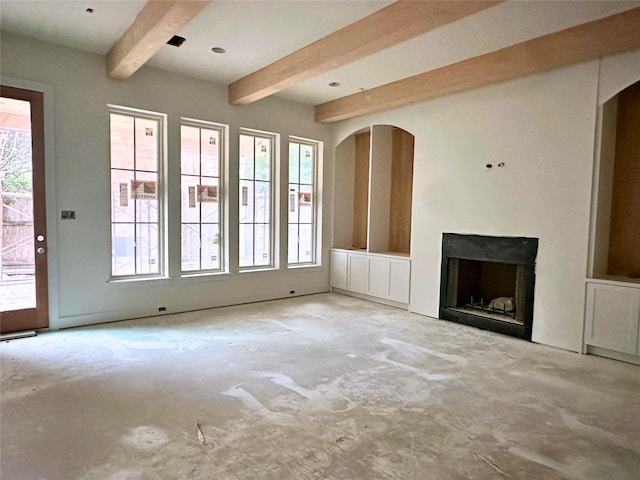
(256, 33)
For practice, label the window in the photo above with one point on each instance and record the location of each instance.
(302, 202)
(202, 240)
(137, 143)
(256, 199)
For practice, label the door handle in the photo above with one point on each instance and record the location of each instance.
(40, 250)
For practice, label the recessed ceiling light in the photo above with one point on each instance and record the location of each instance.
(334, 84)
(218, 50)
(89, 10)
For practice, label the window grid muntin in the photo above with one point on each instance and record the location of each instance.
(220, 129)
(159, 269)
(268, 224)
(313, 187)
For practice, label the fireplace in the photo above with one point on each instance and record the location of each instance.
(488, 282)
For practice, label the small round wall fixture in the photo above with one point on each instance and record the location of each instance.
(218, 50)
(334, 84)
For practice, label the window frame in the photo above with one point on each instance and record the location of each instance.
(223, 134)
(162, 223)
(274, 139)
(315, 212)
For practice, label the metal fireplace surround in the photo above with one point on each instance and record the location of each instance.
(519, 251)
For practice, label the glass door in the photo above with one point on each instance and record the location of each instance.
(23, 245)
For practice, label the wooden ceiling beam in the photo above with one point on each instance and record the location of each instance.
(607, 36)
(396, 23)
(157, 22)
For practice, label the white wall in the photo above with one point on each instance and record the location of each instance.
(81, 166)
(542, 127)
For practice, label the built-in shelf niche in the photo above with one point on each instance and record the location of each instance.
(616, 237)
(373, 190)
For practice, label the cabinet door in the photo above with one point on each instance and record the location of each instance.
(357, 273)
(339, 266)
(612, 317)
(399, 280)
(378, 277)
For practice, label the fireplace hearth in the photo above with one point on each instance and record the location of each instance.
(488, 282)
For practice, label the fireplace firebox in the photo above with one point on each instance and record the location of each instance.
(488, 282)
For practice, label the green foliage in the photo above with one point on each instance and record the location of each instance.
(15, 161)
(17, 182)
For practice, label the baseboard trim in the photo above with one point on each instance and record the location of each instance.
(604, 352)
(390, 303)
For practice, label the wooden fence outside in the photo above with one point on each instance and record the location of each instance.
(16, 242)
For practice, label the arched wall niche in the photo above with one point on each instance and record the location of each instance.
(617, 72)
(613, 276)
(367, 128)
(615, 244)
(373, 188)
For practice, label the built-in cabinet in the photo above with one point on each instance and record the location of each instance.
(372, 214)
(384, 278)
(616, 206)
(613, 319)
(612, 313)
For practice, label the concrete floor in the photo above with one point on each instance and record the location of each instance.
(318, 387)
(16, 294)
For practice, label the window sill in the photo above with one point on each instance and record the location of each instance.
(258, 270)
(203, 276)
(142, 280)
(305, 266)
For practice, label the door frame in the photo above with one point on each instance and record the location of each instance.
(38, 317)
